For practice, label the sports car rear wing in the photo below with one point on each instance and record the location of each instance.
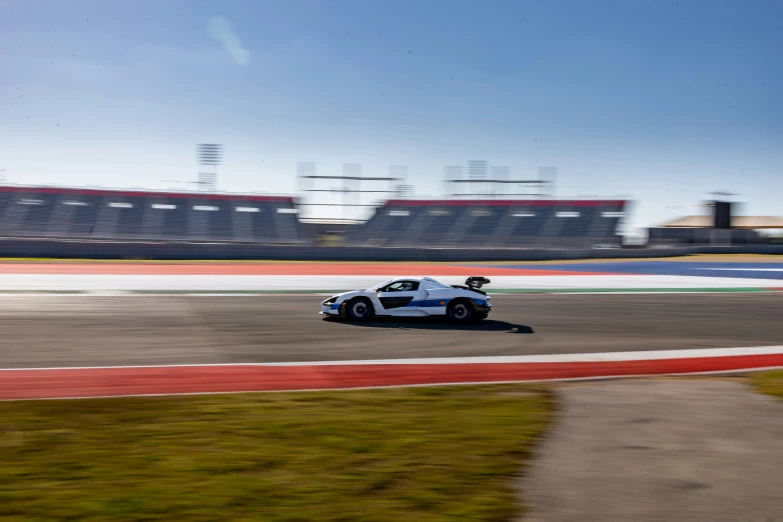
(474, 283)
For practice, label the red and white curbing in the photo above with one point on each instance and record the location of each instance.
(119, 381)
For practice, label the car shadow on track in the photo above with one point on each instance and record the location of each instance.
(436, 323)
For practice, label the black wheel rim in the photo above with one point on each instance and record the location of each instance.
(359, 309)
(460, 312)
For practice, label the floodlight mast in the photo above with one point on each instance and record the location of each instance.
(209, 156)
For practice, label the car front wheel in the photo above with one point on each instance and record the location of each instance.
(460, 311)
(359, 309)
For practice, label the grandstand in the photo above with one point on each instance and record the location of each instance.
(492, 223)
(103, 214)
(108, 214)
(52, 221)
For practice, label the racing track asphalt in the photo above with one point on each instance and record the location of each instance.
(68, 331)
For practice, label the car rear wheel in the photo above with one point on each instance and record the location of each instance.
(359, 309)
(460, 311)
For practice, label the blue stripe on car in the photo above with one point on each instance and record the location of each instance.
(430, 303)
(436, 303)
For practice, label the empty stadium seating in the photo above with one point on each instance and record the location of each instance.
(492, 223)
(102, 214)
(171, 216)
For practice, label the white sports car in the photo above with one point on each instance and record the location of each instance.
(413, 297)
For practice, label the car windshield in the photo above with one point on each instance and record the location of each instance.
(379, 285)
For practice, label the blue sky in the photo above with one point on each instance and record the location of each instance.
(662, 101)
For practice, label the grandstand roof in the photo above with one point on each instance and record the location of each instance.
(507, 202)
(75, 191)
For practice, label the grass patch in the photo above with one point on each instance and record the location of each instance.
(424, 454)
(770, 382)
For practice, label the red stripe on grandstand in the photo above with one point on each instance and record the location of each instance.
(125, 193)
(104, 382)
(300, 269)
(504, 203)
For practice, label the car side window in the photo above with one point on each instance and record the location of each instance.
(401, 286)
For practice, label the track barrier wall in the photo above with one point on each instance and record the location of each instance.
(175, 251)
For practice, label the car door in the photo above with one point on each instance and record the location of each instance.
(400, 297)
(435, 297)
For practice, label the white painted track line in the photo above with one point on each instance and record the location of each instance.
(233, 283)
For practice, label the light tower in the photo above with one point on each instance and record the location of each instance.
(478, 171)
(400, 173)
(209, 156)
(483, 185)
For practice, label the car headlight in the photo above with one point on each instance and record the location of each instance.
(330, 301)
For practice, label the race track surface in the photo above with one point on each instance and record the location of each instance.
(68, 331)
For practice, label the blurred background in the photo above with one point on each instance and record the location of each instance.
(348, 107)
